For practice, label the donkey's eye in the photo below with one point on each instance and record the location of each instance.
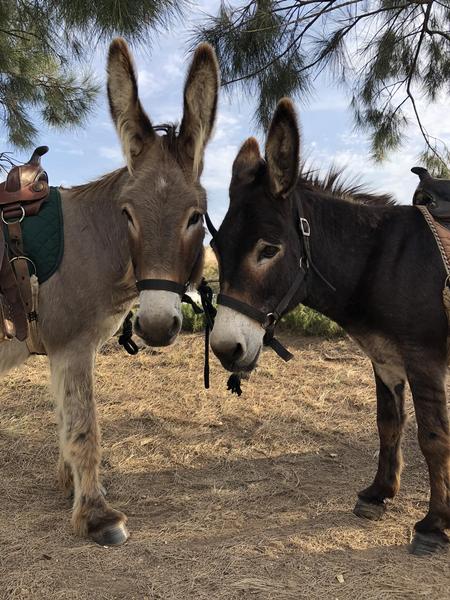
(194, 219)
(129, 218)
(127, 214)
(268, 252)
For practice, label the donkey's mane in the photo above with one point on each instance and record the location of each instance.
(99, 184)
(337, 184)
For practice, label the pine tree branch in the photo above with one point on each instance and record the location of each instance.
(423, 131)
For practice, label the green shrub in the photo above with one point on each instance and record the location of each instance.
(191, 321)
(307, 321)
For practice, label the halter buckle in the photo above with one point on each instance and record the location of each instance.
(305, 227)
(271, 319)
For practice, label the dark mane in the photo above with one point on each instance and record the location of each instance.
(338, 185)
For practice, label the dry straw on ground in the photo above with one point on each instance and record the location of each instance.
(228, 498)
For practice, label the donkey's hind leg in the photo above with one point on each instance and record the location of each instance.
(12, 354)
(427, 381)
(390, 388)
(72, 378)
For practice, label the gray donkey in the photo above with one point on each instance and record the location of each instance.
(143, 222)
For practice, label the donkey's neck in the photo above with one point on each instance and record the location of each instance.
(343, 239)
(95, 218)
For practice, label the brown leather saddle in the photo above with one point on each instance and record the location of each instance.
(21, 195)
(434, 194)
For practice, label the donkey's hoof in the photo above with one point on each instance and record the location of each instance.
(373, 511)
(113, 534)
(424, 544)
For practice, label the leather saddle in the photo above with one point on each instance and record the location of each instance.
(434, 194)
(22, 194)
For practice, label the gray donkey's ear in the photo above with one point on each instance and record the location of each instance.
(132, 124)
(282, 148)
(200, 105)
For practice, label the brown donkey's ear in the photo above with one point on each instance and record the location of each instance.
(246, 163)
(132, 124)
(200, 104)
(282, 148)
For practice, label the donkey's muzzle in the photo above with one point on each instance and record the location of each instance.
(229, 353)
(158, 321)
(157, 334)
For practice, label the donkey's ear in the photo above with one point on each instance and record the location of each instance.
(247, 162)
(282, 148)
(132, 124)
(200, 104)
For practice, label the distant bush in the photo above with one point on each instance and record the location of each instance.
(191, 321)
(307, 321)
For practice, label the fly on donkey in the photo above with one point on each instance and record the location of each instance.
(359, 259)
(136, 231)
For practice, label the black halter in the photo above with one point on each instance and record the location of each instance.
(167, 285)
(269, 320)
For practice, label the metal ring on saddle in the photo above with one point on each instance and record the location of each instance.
(19, 220)
(14, 258)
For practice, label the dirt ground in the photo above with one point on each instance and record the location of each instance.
(227, 497)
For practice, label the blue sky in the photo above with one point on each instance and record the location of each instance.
(327, 132)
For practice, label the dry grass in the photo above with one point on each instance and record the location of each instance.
(227, 498)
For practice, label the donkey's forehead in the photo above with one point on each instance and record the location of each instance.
(164, 184)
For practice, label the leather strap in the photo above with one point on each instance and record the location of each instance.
(242, 307)
(20, 266)
(167, 285)
(12, 295)
(161, 284)
(441, 236)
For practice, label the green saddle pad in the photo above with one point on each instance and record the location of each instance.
(43, 237)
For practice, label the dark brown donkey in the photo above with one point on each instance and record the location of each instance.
(388, 278)
(141, 223)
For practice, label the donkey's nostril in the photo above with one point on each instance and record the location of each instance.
(238, 352)
(176, 325)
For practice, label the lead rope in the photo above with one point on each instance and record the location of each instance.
(126, 339)
(206, 296)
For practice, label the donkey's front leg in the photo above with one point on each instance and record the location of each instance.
(390, 386)
(430, 404)
(72, 377)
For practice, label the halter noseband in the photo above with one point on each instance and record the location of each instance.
(167, 285)
(269, 320)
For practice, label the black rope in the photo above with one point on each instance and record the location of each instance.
(206, 296)
(126, 339)
(234, 384)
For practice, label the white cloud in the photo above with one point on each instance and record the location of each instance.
(148, 84)
(218, 163)
(113, 154)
